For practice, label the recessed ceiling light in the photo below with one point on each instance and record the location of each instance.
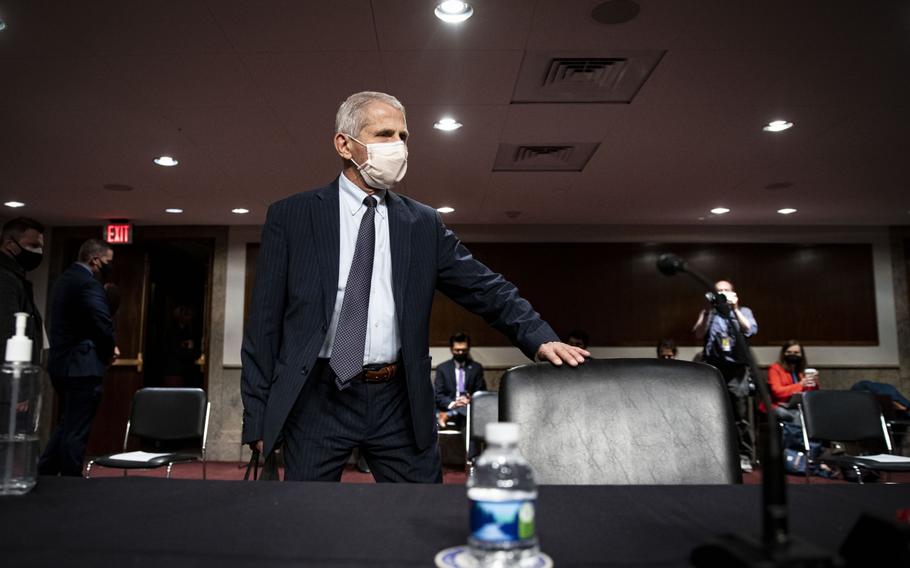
(240, 211)
(786, 211)
(720, 210)
(777, 126)
(173, 210)
(166, 161)
(445, 209)
(453, 11)
(447, 124)
(14, 204)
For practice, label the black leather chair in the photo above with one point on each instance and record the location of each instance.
(163, 419)
(483, 409)
(849, 417)
(623, 421)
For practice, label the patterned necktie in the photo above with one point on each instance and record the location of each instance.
(459, 374)
(351, 333)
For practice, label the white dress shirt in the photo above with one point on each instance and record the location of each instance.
(382, 341)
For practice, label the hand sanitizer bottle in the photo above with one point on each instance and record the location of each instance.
(20, 411)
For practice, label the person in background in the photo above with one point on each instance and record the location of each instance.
(183, 350)
(900, 405)
(578, 338)
(721, 352)
(666, 349)
(456, 380)
(788, 377)
(82, 348)
(21, 251)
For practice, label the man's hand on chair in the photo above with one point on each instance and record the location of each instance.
(557, 353)
(462, 400)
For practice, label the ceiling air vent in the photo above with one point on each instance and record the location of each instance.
(544, 157)
(598, 73)
(583, 77)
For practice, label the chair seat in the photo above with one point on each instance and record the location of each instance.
(158, 461)
(849, 461)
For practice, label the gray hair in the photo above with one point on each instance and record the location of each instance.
(351, 118)
(92, 248)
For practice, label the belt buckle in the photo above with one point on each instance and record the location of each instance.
(380, 375)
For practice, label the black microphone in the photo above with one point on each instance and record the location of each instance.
(670, 264)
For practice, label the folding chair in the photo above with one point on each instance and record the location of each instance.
(163, 418)
(849, 416)
(483, 408)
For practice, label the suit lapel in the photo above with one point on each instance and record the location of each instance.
(400, 220)
(327, 235)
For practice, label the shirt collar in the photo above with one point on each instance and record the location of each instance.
(352, 197)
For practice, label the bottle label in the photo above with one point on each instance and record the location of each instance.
(502, 522)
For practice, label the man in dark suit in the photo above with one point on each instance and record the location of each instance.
(82, 347)
(21, 251)
(456, 380)
(336, 351)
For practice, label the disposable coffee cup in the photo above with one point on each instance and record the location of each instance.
(811, 372)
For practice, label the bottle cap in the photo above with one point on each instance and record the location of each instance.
(502, 433)
(19, 346)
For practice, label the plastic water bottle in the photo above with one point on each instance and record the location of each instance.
(20, 410)
(503, 498)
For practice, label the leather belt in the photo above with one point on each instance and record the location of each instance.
(379, 373)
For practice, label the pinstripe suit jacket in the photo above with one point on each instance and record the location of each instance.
(296, 286)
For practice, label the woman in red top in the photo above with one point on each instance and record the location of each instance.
(788, 376)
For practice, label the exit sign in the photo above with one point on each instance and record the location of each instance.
(118, 233)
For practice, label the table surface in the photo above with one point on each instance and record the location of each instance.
(156, 522)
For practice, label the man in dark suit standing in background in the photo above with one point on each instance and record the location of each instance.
(82, 347)
(456, 380)
(336, 352)
(21, 251)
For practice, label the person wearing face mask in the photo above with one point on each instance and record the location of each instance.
(456, 380)
(667, 349)
(22, 245)
(336, 351)
(82, 348)
(788, 377)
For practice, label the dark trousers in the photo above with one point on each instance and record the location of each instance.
(738, 392)
(78, 400)
(326, 424)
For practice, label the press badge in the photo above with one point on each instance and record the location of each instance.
(725, 344)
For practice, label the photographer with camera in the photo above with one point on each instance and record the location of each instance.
(720, 351)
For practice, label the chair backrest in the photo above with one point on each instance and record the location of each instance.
(483, 409)
(168, 413)
(844, 416)
(623, 421)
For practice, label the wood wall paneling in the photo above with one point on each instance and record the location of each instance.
(820, 294)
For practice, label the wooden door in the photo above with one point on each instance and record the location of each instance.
(125, 376)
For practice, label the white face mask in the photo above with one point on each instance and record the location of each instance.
(386, 163)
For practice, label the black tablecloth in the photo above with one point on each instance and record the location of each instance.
(156, 522)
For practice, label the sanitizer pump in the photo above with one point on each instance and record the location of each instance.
(20, 412)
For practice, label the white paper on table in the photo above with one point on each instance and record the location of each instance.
(136, 456)
(886, 458)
